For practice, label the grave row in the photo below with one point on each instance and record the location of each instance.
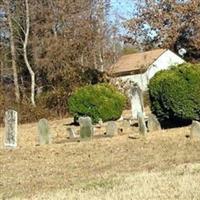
(86, 128)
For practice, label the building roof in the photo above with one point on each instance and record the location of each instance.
(135, 63)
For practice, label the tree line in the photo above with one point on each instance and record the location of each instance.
(172, 24)
(55, 43)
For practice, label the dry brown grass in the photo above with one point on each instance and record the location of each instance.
(181, 183)
(163, 165)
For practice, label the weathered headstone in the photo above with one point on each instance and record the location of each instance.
(137, 104)
(86, 127)
(44, 132)
(71, 133)
(10, 140)
(111, 129)
(100, 123)
(153, 123)
(195, 129)
(141, 124)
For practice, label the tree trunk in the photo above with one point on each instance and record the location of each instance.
(101, 24)
(55, 14)
(101, 61)
(13, 54)
(95, 59)
(82, 59)
(32, 74)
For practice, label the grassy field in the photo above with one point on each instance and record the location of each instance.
(164, 165)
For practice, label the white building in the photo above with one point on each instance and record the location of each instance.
(141, 67)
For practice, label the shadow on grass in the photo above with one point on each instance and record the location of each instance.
(78, 139)
(175, 123)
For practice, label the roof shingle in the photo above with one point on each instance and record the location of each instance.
(135, 63)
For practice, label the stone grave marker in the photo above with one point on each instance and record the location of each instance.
(86, 127)
(10, 139)
(100, 124)
(111, 129)
(153, 123)
(141, 124)
(137, 104)
(195, 129)
(71, 133)
(44, 132)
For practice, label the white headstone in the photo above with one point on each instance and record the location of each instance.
(71, 133)
(100, 123)
(137, 104)
(10, 140)
(111, 129)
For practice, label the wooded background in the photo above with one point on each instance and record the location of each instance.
(49, 48)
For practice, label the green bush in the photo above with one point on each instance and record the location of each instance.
(97, 101)
(175, 93)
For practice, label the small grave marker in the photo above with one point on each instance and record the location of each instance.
(141, 124)
(86, 127)
(71, 133)
(44, 132)
(153, 123)
(195, 129)
(111, 129)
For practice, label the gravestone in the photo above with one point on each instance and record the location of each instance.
(141, 124)
(111, 129)
(86, 127)
(71, 133)
(153, 123)
(137, 104)
(10, 140)
(100, 123)
(44, 132)
(195, 129)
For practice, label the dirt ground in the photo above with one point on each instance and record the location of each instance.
(163, 165)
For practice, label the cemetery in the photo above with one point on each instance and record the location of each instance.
(99, 100)
(95, 150)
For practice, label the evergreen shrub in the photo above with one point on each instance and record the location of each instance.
(100, 101)
(175, 93)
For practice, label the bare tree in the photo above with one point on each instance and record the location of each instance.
(13, 50)
(168, 24)
(57, 42)
(25, 43)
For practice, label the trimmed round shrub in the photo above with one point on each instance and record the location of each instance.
(175, 93)
(100, 101)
